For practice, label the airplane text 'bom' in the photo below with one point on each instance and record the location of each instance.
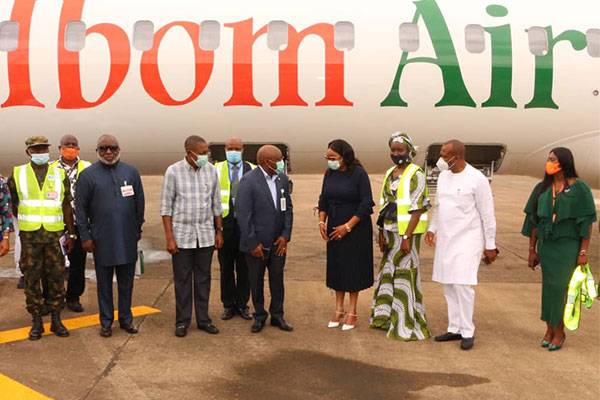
(427, 12)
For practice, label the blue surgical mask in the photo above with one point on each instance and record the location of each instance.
(202, 160)
(233, 157)
(40, 159)
(333, 165)
(280, 166)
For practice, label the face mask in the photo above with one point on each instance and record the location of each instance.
(403, 159)
(280, 166)
(333, 165)
(552, 168)
(69, 153)
(443, 165)
(40, 159)
(202, 160)
(233, 157)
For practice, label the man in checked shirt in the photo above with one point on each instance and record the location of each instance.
(191, 213)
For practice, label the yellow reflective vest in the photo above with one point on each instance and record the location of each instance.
(403, 202)
(225, 183)
(582, 289)
(40, 207)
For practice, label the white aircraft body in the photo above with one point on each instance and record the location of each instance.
(519, 77)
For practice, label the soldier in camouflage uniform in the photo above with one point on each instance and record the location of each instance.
(41, 254)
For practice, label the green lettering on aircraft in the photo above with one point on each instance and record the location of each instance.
(544, 68)
(455, 90)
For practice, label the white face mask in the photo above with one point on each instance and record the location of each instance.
(442, 165)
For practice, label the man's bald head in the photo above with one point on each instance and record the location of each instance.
(234, 144)
(455, 148)
(69, 141)
(107, 140)
(267, 157)
(108, 149)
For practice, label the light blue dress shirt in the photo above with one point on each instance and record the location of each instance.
(272, 185)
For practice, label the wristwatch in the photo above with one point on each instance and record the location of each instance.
(405, 237)
(72, 236)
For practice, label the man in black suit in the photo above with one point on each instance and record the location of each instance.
(235, 289)
(264, 214)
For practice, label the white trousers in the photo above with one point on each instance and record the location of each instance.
(17, 249)
(461, 303)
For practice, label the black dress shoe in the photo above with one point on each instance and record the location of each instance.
(106, 331)
(181, 330)
(245, 313)
(447, 337)
(37, 328)
(467, 343)
(75, 306)
(257, 326)
(57, 326)
(208, 328)
(129, 328)
(281, 324)
(21, 283)
(228, 313)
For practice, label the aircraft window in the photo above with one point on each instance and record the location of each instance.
(538, 41)
(593, 42)
(210, 35)
(343, 35)
(475, 39)
(409, 37)
(277, 35)
(143, 35)
(75, 36)
(9, 35)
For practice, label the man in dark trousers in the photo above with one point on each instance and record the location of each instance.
(109, 204)
(264, 214)
(235, 290)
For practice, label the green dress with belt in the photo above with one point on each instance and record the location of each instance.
(561, 224)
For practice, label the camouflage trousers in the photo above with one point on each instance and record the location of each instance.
(43, 262)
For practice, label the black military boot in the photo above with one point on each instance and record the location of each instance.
(37, 328)
(57, 326)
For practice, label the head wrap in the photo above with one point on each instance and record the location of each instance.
(401, 137)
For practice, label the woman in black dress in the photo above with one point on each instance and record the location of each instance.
(345, 208)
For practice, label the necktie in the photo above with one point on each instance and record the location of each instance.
(234, 180)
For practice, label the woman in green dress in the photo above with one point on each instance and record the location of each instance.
(560, 213)
(397, 302)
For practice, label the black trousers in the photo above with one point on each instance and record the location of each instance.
(76, 282)
(235, 290)
(191, 276)
(256, 268)
(125, 276)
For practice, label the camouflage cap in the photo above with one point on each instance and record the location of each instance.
(37, 141)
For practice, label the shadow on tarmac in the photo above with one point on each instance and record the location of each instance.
(300, 374)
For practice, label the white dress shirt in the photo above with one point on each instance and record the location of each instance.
(271, 182)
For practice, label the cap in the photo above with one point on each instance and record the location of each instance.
(37, 141)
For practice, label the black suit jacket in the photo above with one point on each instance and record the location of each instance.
(260, 221)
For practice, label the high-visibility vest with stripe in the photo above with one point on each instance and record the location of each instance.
(81, 165)
(40, 208)
(582, 289)
(403, 202)
(225, 183)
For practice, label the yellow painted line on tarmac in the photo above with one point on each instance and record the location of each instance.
(15, 391)
(15, 335)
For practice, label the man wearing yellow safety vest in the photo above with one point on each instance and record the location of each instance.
(70, 162)
(42, 206)
(235, 291)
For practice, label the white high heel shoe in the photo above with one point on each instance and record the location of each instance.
(348, 327)
(336, 324)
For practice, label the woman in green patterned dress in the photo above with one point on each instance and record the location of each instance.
(398, 303)
(560, 213)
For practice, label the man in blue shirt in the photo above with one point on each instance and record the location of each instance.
(109, 204)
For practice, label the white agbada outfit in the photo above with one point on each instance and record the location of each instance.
(464, 224)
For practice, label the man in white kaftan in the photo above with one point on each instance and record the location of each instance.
(463, 230)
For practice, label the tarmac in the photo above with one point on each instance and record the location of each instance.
(313, 362)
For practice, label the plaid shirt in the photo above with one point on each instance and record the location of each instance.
(192, 198)
(6, 216)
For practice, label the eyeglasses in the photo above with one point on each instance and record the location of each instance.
(104, 149)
